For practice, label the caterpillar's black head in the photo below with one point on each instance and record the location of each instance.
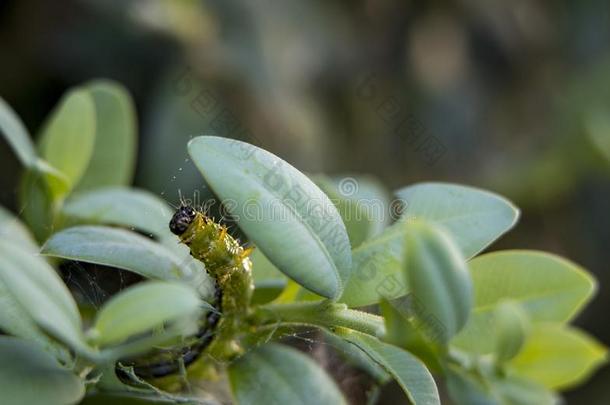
(182, 219)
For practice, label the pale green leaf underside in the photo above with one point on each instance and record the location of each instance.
(377, 269)
(41, 293)
(468, 388)
(474, 218)
(276, 374)
(144, 307)
(410, 373)
(138, 209)
(16, 134)
(286, 216)
(362, 203)
(438, 278)
(29, 375)
(11, 228)
(117, 248)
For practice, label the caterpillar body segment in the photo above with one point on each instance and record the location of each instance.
(227, 262)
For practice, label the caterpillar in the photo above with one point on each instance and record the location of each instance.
(227, 262)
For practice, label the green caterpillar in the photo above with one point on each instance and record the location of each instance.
(227, 262)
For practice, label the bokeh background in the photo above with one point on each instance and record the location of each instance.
(513, 96)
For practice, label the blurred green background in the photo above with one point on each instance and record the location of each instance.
(513, 96)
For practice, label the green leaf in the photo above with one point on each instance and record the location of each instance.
(117, 248)
(468, 388)
(16, 321)
(36, 205)
(115, 137)
(141, 211)
(68, 137)
(558, 356)
(439, 280)
(362, 203)
(20, 140)
(121, 206)
(474, 218)
(41, 293)
(268, 280)
(287, 216)
(11, 228)
(357, 357)
(549, 289)
(377, 269)
(40, 190)
(142, 308)
(57, 182)
(29, 375)
(465, 388)
(276, 374)
(518, 391)
(16, 134)
(410, 373)
(403, 328)
(512, 328)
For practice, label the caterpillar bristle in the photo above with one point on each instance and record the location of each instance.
(174, 206)
(247, 252)
(181, 198)
(223, 232)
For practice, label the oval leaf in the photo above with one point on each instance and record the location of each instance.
(41, 293)
(377, 269)
(114, 247)
(129, 251)
(548, 288)
(283, 212)
(515, 390)
(67, 140)
(40, 188)
(57, 182)
(11, 228)
(276, 374)
(473, 217)
(467, 388)
(29, 375)
(356, 357)
(142, 308)
(404, 329)
(362, 203)
(15, 320)
(16, 134)
(410, 373)
(137, 209)
(36, 203)
(512, 327)
(115, 137)
(439, 280)
(558, 356)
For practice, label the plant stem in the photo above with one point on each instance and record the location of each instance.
(326, 314)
